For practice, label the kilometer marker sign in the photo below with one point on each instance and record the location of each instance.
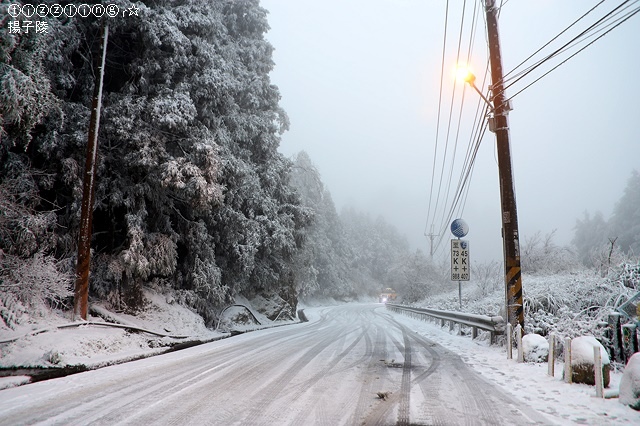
(460, 270)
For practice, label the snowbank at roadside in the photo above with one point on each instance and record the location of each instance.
(529, 382)
(39, 343)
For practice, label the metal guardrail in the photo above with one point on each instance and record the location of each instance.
(494, 325)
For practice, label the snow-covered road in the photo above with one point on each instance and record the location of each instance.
(325, 372)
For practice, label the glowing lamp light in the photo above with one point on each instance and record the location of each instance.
(464, 74)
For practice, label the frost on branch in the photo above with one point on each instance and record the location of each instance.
(173, 110)
(30, 277)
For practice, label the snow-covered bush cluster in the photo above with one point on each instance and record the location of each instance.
(569, 304)
(30, 276)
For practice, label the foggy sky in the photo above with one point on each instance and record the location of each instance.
(359, 80)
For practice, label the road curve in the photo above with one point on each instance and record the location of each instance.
(325, 372)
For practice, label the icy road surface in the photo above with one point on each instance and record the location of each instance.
(325, 372)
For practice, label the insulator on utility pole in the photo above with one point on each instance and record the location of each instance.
(81, 293)
(510, 236)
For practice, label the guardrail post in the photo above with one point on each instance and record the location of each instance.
(552, 355)
(567, 360)
(474, 332)
(597, 367)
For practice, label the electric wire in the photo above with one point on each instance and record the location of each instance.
(504, 78)
(453, 94)
(568, 45)
(433, 168)
(469, 160)
(457, 136)
(621, 21)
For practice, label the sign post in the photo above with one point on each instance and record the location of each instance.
(460, 267)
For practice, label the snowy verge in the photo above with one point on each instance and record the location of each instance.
(51, 341)
(529, 382)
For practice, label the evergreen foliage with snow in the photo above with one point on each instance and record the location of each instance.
(191, 193)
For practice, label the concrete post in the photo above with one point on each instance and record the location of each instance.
(552, 355)
(567, 360)
(509, 341)
(519, 343)
(597, 367)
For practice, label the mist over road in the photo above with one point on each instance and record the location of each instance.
(324, 372)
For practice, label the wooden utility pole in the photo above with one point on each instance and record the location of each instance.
(510, 237)
(81, 294)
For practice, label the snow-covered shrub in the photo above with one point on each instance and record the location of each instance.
(582, 360)
(535, 348)
(627, 273)
(488, 277)
(630, 383)
(35, 282)
(30, 277)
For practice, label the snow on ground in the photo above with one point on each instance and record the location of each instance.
(41, 344)
(529, 382)
(96, 345)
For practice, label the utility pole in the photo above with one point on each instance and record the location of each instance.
(431, 236)
(510, 237)
(81, 293)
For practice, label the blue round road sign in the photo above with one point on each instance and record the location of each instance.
(459, 228)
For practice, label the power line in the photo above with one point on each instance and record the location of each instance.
(550, 41)
(621, 21)
(574, 41)
(433, 168)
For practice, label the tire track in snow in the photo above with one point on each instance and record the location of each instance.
(375, 353)
(303, 388)
(271, 392)
(201, 377)
(404, 410)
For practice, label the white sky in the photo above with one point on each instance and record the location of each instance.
(359, 80)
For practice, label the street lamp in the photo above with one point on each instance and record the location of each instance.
(465, 74)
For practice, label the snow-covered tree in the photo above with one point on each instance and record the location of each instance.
(191, 191)
(591, 233)
(599, 242)
(540, 255)
(625, 221)
(322, 265)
